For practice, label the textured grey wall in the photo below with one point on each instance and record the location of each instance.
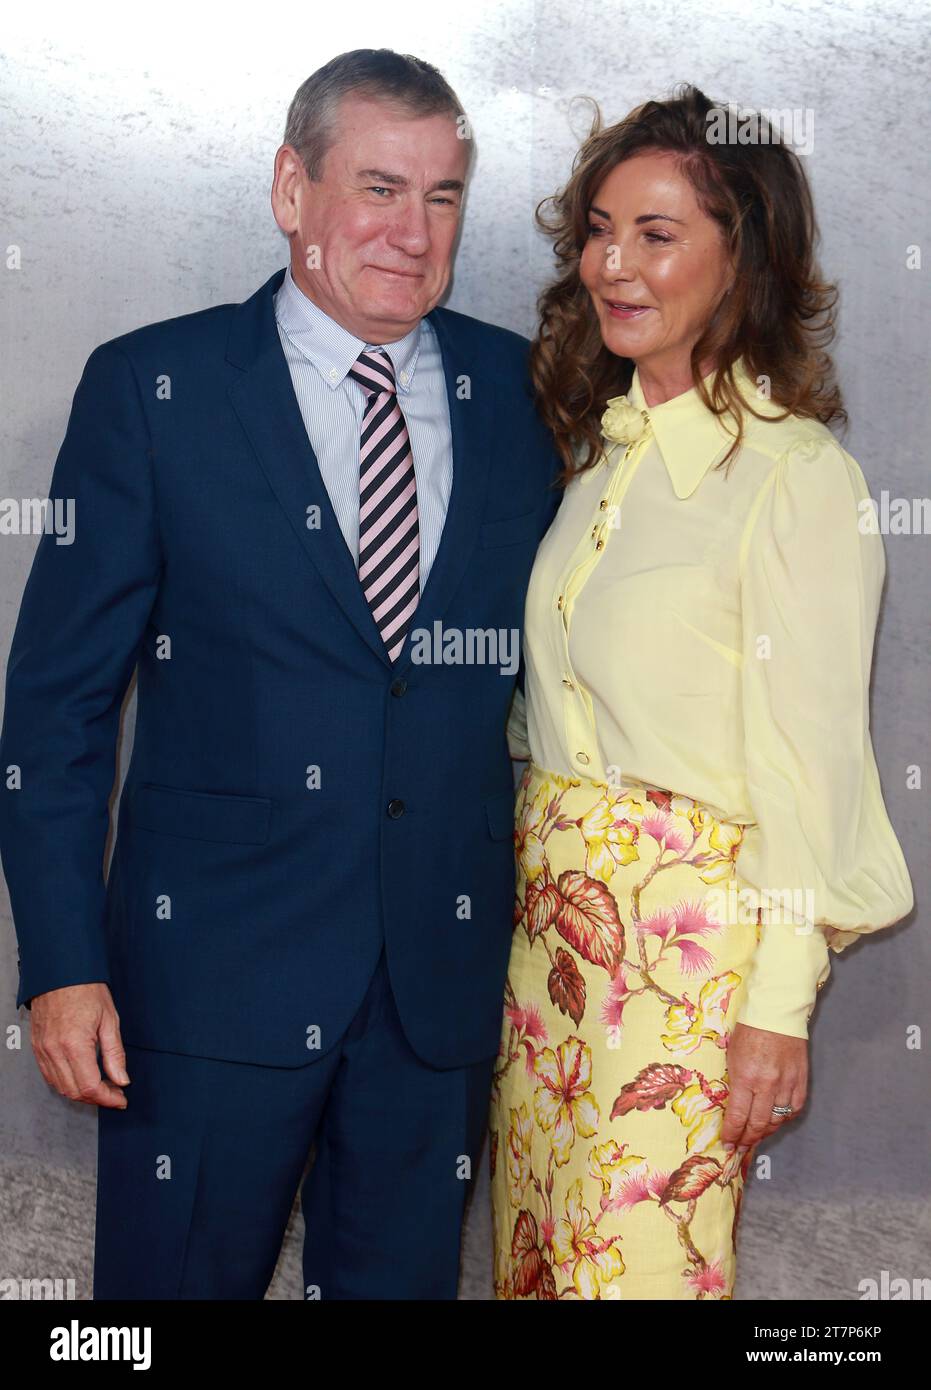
(135, 179)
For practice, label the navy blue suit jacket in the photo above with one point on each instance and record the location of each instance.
(245, 909)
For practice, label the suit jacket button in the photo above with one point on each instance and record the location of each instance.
(395, 809)
(398, 686)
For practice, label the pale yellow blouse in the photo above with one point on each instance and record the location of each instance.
(713, 635)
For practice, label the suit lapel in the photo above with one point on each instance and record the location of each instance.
(264, 401)
(470, 423)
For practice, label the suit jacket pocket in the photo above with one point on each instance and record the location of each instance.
(240, 820)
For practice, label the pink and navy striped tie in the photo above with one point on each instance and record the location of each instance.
(389, 530)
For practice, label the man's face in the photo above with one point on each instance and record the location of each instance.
(372, 240)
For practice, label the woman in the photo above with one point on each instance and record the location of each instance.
(701, 818)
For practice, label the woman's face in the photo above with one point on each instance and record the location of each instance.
(654, 264)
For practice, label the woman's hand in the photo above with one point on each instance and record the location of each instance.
(764, 1069)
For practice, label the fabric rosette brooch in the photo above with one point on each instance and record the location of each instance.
(622, 422)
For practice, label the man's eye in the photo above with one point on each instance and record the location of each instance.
(378, 188)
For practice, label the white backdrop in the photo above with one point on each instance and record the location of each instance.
(136, 152)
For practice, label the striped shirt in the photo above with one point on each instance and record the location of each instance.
(319, 353)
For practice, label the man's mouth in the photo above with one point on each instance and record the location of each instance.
(404, 274)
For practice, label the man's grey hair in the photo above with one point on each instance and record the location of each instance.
(399, 79)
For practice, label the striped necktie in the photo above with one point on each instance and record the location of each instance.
(389, 530)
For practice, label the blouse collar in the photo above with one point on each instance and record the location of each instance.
(689, 436)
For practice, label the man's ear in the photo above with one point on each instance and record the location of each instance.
(286, 190)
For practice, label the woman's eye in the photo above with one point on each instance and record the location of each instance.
(655, 237)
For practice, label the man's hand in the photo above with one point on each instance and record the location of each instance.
(66, 1026)
(764, 1069)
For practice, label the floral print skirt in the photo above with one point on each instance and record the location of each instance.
(627, 970)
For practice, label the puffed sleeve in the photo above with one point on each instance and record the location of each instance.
(822, 855)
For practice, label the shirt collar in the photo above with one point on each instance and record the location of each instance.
(689, 436)
(331, 348)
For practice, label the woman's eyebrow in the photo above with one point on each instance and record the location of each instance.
(644, 217)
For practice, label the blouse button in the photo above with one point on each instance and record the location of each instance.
(582, 757)
(567, 682)
(599, 545)
(602, 505)
(559, 602)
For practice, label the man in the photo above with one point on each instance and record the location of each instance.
(308, 520)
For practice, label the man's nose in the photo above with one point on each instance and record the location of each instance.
(410, 229)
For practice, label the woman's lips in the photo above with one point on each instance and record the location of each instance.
(618, 310)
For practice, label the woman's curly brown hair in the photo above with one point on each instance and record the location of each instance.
(779, 315)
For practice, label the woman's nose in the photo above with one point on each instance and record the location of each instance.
(618, 262)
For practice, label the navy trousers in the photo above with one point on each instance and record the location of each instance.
(197, 1177)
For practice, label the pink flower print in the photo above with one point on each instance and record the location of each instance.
(612, 1009)
(659, 924)
(694, 959)
(707, 1278)
(664, 830)
(691, 919)
(530, 1029)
